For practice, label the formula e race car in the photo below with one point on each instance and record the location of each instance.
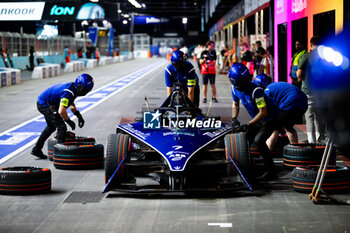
(176, 148)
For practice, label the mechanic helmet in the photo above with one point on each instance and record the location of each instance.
(239, 76)
(262, 80)
(329, 83)
(83, 84)
(178, 59)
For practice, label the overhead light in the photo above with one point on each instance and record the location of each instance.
(135, 3)
(171, 34)
(93, 0)
(84, 23)
(119, 11)
(104, 22)
(184, 20)
(125, 16)
(143, 5)
(125, 21)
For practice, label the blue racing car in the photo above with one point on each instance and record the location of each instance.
(176, 148)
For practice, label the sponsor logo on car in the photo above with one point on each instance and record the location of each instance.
(179, 133)
(176, 155)
(151, 120)
(131, 129)
(154, 120)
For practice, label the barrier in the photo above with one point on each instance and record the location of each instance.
(9, 76)
(89, 63)
(105, 61)
(74, 66)
(123, 58)
(46, 70)
(142, 54)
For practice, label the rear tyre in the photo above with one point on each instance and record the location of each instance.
(308, 154)
(337, 179)
(78, 156)
(236, 147)
(73, 140)
(24, 180)
(118, 148)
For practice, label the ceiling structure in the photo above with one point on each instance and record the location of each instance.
(175, 10)
(193, 10)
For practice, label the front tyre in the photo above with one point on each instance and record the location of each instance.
(236, 147)
(118, 148)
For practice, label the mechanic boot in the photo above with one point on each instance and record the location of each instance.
(204, 100)
(215, 100)
(38, 153)
(267, 176)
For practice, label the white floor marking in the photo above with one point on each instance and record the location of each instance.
(222, 225)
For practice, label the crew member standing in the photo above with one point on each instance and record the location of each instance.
(295, 62)
(316, 129)
(53, 104)
(208, 70)
(67, 53)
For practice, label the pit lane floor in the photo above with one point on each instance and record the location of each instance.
(75, 203)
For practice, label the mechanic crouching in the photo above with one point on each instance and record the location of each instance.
(291, 102)
(53, 104)
(182, 72)
(263, 111)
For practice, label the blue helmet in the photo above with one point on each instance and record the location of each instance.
(328, 73)
(239, 76)
(262, 80)
(177, 56)
(178, 60)
(83, 84)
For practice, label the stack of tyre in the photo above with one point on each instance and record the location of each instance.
(76, 153)
(305, 159)
(24, 180)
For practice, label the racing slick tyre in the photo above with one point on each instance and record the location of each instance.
(307, 154)
(69, 140)
(118, 148)
(24, 180)
(236, 147)
(337, 179)
(277, 150)
(78, 156)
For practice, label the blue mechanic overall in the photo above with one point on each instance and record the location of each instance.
(53, 102)
(182, 72)
(263, 111)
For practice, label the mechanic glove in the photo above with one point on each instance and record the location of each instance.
(81, 121)
(235, 123)
(244, 127)
(71, 123)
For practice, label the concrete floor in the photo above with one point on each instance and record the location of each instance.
(75, 203)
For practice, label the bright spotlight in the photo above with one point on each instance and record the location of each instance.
(184, 20)
(338, 59)
(125, 21)
(84, 23)
(328, 54)
(135, 3)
